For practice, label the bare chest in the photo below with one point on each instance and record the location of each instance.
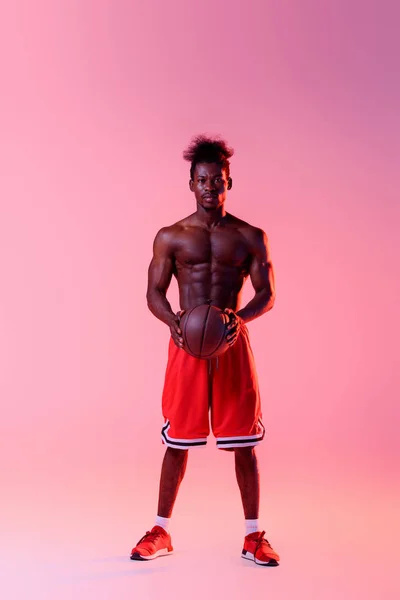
(223, 246)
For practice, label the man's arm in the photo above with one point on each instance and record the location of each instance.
(159, 278)
(262, 278)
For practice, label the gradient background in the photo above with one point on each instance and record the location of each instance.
(98, 100)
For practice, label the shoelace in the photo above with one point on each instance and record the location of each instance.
(262, 539)
(150, 536)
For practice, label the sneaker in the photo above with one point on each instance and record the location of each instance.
(257, 547)
(156, 542)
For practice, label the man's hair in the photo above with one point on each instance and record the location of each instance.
(203, 149)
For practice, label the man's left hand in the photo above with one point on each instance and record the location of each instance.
(233, 328)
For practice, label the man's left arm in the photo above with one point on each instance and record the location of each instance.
(262, 278)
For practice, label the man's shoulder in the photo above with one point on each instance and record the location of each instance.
(249, 231)
(170, 232)
(185, 222)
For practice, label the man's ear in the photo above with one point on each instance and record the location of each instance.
(191, 185)
(229, 183)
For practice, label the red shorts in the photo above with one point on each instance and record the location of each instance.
(225, 387)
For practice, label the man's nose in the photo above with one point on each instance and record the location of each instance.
(210, 185)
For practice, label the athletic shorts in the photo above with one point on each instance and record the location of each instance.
(223, 391)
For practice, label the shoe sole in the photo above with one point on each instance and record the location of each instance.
(249, 556)
(162, 552)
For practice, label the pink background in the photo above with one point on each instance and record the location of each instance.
(98, 100)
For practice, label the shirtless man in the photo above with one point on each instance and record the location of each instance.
(211, 253)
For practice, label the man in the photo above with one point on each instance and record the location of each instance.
(211, 253)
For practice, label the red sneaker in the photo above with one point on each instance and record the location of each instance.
(156, 542)
(256, 547)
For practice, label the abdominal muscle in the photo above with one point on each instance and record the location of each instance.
(222, 291)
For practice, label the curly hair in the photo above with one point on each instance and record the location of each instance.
(203, 149)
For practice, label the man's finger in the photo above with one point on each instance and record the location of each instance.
(176, 326)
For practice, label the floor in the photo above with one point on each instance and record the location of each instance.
(337, 538)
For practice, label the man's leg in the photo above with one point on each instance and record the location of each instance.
(157, 542)
(248, 478)
(172, 472)
(256, 547)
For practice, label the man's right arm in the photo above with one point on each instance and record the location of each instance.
(160, 274)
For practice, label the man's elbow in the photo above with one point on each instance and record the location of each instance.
(152, 296)
(270, 301)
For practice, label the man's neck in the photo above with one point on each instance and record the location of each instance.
(211, 218)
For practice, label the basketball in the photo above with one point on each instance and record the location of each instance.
(204, 330)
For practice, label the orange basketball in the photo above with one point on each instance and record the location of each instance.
(204, 331)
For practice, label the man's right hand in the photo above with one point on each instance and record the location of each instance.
(176, 331)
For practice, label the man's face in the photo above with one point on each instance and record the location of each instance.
(210, 185)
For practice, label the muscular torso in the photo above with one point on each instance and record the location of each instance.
(211, 263)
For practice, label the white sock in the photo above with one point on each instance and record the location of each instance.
(163, 522)
(251, 526)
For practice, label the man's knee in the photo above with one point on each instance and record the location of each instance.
(177, 454)
(245, 454)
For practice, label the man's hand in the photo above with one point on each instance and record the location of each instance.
(233, 328)
(176, 331)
